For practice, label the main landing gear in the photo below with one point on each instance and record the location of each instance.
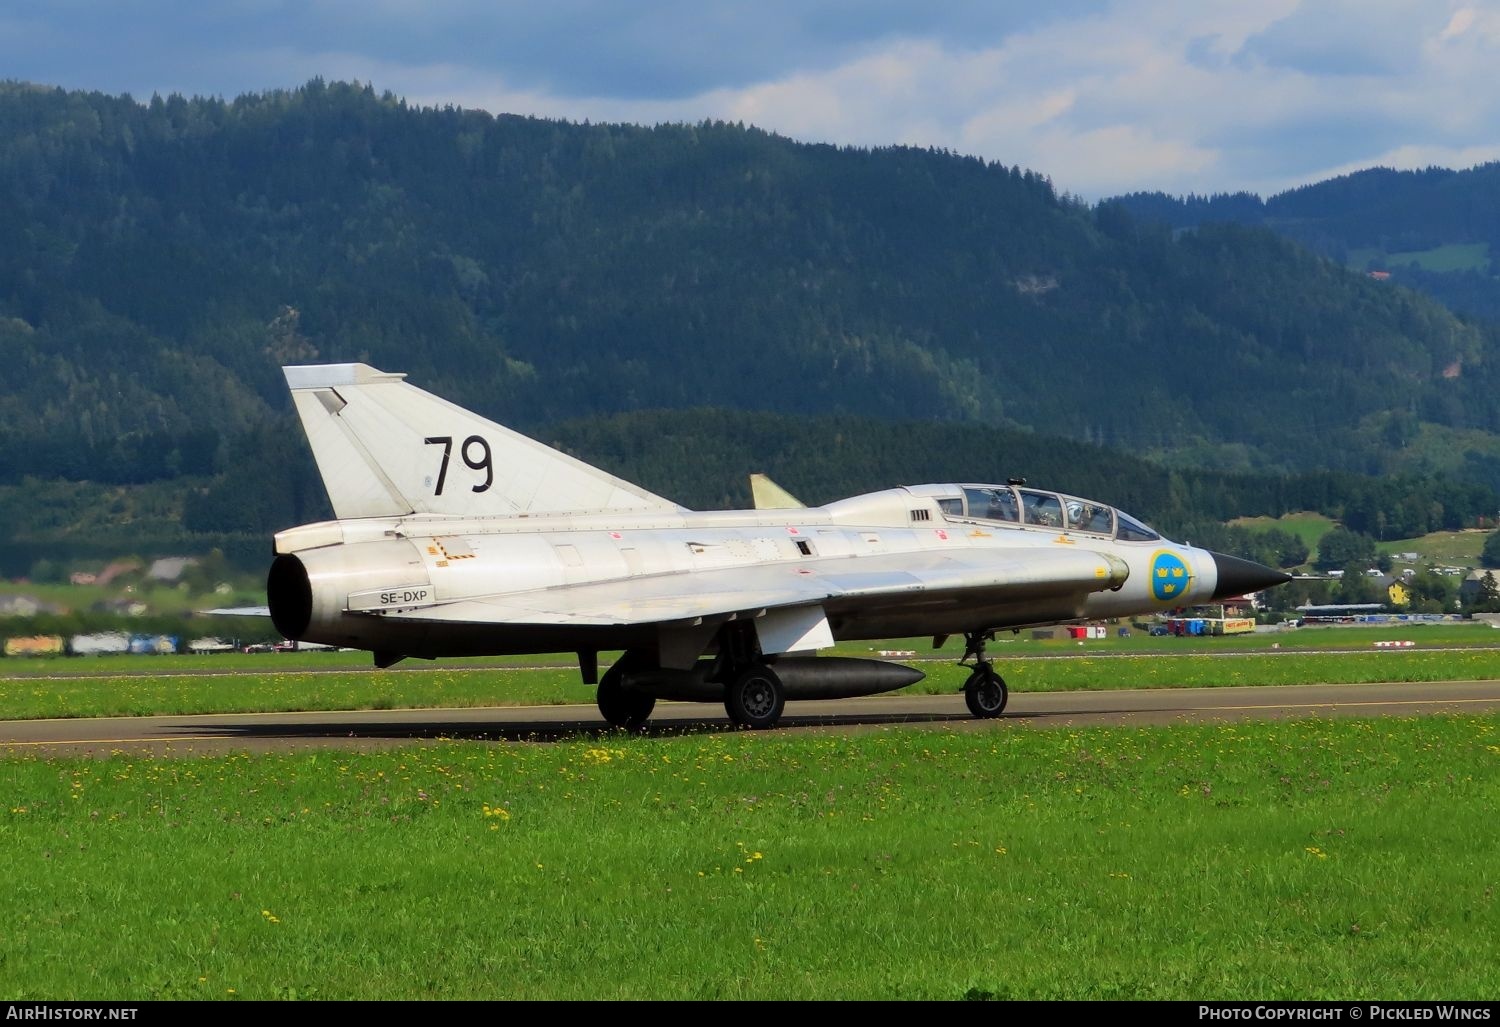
(753, 693)
(621, 706)
(985, 692)
(755, 698)
(751, 689)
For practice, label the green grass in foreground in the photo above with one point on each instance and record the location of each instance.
(1295, 860)
(140, 695)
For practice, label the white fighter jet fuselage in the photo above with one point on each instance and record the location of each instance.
(458, 537)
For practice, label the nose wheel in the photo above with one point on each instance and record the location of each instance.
(984, 692)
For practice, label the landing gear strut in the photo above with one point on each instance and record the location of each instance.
(985, 692)
(754, 696)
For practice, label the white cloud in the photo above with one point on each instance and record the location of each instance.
(1104, 104)
(1103, 97)
(1461, 22)
(1410, 158)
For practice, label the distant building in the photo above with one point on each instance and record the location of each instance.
(19, 606)
(1340, 613)
(99, 644)
(153, 645)
(1231, 617)
(1472, 587)
(1397, 589)
(1380, 276)
(83, 578)
(27, 606)
(35, 645)
(170, 568)
(128, 607)
(210, 645)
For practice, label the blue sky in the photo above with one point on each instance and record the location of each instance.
(1104, 97)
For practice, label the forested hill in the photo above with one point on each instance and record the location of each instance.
(1437, 230)
(161, 259)
(701, 457)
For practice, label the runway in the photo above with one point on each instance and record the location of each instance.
(212, 734)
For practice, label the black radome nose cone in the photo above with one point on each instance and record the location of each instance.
(1238, 577)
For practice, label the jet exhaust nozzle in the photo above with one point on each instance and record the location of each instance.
(289, 597)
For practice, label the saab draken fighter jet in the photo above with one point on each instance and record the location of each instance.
(458, 537)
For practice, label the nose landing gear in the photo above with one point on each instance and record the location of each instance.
(984, 692)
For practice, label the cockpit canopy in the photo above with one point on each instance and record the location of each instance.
(1009, 504)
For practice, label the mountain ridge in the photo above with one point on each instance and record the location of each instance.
(165, 258)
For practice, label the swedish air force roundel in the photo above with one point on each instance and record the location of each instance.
(1170, 576)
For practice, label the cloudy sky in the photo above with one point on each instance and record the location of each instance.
(1104, 97)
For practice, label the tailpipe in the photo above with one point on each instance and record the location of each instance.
(290, 598)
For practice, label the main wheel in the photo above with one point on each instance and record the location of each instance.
(755, 698)
(619, 705)
(985, 693)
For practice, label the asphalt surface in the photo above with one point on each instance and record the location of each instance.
(212, 734)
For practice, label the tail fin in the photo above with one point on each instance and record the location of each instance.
(770, 496)
(386, 449)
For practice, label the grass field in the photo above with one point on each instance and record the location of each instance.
(1452, 257)
(1295, 860)
(160, 598)
(1441, 548)
(1309, 527)
(1194, 663)
(1005, 646)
